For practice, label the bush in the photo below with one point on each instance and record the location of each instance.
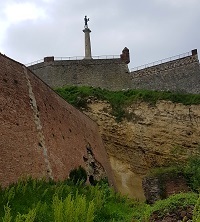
(163, 207)
(78, 175)
(192, 173)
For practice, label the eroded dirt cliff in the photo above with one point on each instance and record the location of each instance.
(149, 136)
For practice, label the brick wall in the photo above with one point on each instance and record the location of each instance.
(41, 134)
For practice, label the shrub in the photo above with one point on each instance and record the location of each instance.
(196, 211)
(192, 173)
(78, 175)
(163, 207)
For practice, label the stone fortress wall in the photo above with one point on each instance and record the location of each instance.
(180, 75)
(105, 73)
(41, 134)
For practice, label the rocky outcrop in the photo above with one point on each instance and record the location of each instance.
(149, 136)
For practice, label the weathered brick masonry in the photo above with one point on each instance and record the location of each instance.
(40, 134)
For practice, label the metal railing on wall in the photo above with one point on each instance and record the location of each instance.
(35, 62)
(74, 58)
(158, 62)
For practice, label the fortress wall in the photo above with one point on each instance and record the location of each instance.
(41, 134)
(110, 74)
(181, 75)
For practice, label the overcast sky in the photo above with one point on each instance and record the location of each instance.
(151, 29)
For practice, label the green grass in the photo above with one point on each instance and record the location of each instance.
(41, 201)
(119, 100)
(163, 207)
(196, 211)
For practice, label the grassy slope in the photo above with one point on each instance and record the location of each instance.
(78, 96)
(38, 200)
(50, 201)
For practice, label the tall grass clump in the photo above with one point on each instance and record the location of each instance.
(29, 217)
(32, 200)
(7, 217)
(196, 211)
(73, 209)
(50, 201)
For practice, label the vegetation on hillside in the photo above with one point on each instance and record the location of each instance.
(39, 200)
(119, 100)
(33, 200)
(190, 170)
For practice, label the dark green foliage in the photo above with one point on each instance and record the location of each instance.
(196, 211)
(171, 171)
(163, 207)
(49, 199)
(189, 170)
(119, 100)
(192, 173)
(78, 175)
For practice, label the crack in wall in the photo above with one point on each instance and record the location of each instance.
(94, 168)
(34, 107)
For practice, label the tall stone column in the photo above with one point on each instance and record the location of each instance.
(88, 54)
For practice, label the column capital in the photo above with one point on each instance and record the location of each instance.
(86, 30)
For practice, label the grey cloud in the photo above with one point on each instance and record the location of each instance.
(150, 29)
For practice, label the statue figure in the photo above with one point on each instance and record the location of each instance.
(86, 21)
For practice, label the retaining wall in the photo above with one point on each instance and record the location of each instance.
(105, 73)
(181, 75)
(41, 134)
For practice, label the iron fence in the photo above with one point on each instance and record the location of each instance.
(75, 58)
(35, 62)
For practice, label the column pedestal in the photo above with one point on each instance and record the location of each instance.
(88, 54)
